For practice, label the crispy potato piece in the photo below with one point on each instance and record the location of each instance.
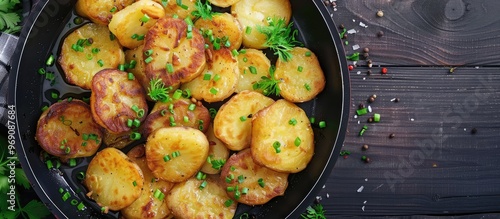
(139, 69)
(253, 65)
(61, 129)
(147, 205)
(100, 11)
(222, 25)
(172, 8)
(228, 124)
(217, 153)
(110, 179)
(175, 154)
(199, 118)
(187, 200)
(129, 22)
(80, 66)
(254, 13)
(223, 3)
(276, 132)
(114, 98)
(169, 46)
(119, 141)
(241, 172)
(301, 78)
(223, 71)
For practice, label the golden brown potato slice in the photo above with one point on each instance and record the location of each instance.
(147, 205)
(254, 13)
(131, 24)
(170, 54)
(86, 51)
(100, 11)
(182, 10)
(233, 122)
(217, 153)
(115, 99)
(253, 65)
(119, 141)
(175, 154)
(66, 130)
(219, 79)
(301, 77)
(187, 200)
(113, 180)
(222, 25)
(223, 3)
(282, 137)
(251, 183)
(177, 113)
(139, 69)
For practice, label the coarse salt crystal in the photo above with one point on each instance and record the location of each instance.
(369, 108)
(355, 47)
(361, 24)
(364, 202)
(354, 21)
(363, 208)
(364, 78)
(352, 31)
(412, 119)
(327, 195)
(358, 72)
(324, 186)
(393, 99)
(360, 189)
(366, 179)
(359, 122)
(355, 116)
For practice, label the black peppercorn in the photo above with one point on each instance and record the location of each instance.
(396, 100)
(369, 72)
(370, 120)
(361, 106)
(371, 99)
(473, 131)
(366, 50)
(380, 33)
(368, 160)
(392, 135)
(364, 147)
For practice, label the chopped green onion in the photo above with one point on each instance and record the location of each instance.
(158, 194)
(292, 121)
(136, 123)
(234, 52)
(191, 107)
(216, 77)
(45, 108)
(166, 158)
(276, 146)
(252, 69)
(230, 189)
(186, 93)
(121, 67)
(362, 131)
(243, 51)
(241, 178)
(112, 36)
(300, 68)
(74, 202)
(244, 191)
(132, 64)
(243, 118)
(129, 123)
(297, 141)
(362, 111)
(200, 175)
(322, 124)
(50, 60)
(54, 95)
(176, 154)
(80, 206)
(232, 168)
(177, 94)
(186, 119)
(72, 162)
(237, 194)
(135, 136)
(84, 144)
(207, 77)
(261, 182)
(41, 71)
(89, 56)
(145, 18)
(307, 86)
(376, 117)
(245, 59)
(248, 30)
(170, 68)
(188, 20)
(49, 164)
(81, 175)
(213, 112)
(131, 76)
(134, 183)
(134, 36)
(140, 37)
(140, 113)
(113, 9)
(66, 196)
(308, 53)
(100, 62)
(228, 202)
(95, 50)
(148, 52)
(203, 184)
(67, 150)
(148, 59)
(214, 90)
(312, 119)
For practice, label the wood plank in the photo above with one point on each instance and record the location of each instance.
(424, 32)
(433, 165)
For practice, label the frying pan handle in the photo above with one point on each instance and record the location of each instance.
(7, 46)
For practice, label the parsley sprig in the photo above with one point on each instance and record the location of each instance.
(9, 16)
(157, 90)
(314, 212)
(280, 37)
(269, 85)
(203, 10)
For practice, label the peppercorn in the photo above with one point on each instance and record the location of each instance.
(392, 135)
(370, 120)
(366, 55)
(380, 33)
(368, 160)
(361, 106)
(364, 147)
(380, 13)
(396, 100)
(366, 50)
(473, 131)
(384, 71)
(371, 100)
(369, 72)
(369, 61)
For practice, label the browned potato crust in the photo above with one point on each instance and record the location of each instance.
(187, 200)
(176, 153)
(147, 206)
(223, 3)
(61, 128)
(252, 59)
(301, 77)
(168, 42)
(112, 100)
(110, 179)
(139, 70)
(241, 165)
(80, 66)
(216, 153)
(171, 8)
(199, 118)
(222, 25)
(99, 11)
(272, 128)
(119, 141)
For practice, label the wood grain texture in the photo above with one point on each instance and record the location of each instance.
(433, 165)
(424, 32)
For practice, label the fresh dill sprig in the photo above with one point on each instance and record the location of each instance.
(157, 90)
(269, 85)
(280, 37)
(203, 10)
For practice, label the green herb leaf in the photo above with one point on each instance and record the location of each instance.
(269, 85)
(280, 37)
(21, 178)
(203, 10)
(353, 57)
(9, 16)
(315, 211)
(157, 90)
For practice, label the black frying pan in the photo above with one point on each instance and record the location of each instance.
(41, 36)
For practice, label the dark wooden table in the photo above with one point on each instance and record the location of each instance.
(442, 58)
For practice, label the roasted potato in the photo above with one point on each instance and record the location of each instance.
(175, 154)
(115, 99)
(113, 180)
(282, 137)
(253, 65)
(222, 26)
(233, 122)
(301, 77)
(223, 3)
(217, 153)
(254, 13)
(176, 113)
(183, 10)
(86, 51)
(200, 199)
(147, 205)
(66, 130)
(169, 53)
(131, 24)
(139, 68)
(100, 11)
(252, 183)
(222, 73)
(119, 141)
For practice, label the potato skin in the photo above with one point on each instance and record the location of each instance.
(272, 124)
(168, 41)
(253, 13)
(77, 67)
(275, 183)
(252, 58)
(171, 8)
(99, 11)
(64, 124)
(293, 81)
(109, 179)
(112, 98)
(222, 25)
(147, 206)
(187, 200)
(192, 145)
(127, 22)
(228, 126)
